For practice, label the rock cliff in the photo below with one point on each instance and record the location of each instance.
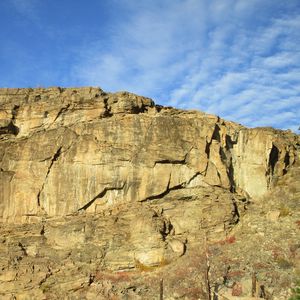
(109, 195)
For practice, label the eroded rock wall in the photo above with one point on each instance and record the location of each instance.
(123, 199)
(63, 151)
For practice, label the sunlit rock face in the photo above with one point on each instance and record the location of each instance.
(104, 195)
(67, 150)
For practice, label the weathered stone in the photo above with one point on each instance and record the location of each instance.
(84, 149)
(177, 246)
(273, 215)
(103, 195)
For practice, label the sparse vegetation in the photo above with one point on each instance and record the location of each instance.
(296, 292)
(283, 263)
(229, 240)
(284, 211)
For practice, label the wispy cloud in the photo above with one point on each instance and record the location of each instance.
(147, 52)
(238, 59)
(258, 77)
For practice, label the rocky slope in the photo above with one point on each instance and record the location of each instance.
(109, 196)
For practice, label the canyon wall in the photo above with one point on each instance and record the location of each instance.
(63, 151)
(109, 196)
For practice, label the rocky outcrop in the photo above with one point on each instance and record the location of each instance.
(67, 150)
(109, 195)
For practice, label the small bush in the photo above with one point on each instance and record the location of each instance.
(296, 293)
(284, 211)
(283, 263)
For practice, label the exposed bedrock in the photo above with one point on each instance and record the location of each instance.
(63, 151)
(109, 196)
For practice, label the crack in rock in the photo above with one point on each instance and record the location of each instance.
(215, 136)
(61, 111)
(175, 161)
(53, 160)
(170, 161)
(173, 188)
(101, 195)
(107, 112)
(235, 213)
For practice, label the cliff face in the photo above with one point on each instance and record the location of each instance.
(67, 150)
(102, 182)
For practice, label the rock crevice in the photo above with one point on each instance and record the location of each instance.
(101, 195)
(53, 160)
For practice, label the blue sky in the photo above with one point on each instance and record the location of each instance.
(239, 59)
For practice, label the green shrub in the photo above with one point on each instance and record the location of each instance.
(283, 263)
(296, 292)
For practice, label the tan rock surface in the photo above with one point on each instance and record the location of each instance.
(66, 150)
(103, 195)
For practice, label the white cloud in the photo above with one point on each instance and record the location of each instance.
(281, 60)
(238, 59)
(154, 48)
(259, 77)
